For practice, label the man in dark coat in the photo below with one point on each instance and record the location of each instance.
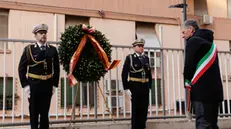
(202, 74)
(40, 62)
(137, 80)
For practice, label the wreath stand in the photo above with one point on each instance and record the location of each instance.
(75, 100)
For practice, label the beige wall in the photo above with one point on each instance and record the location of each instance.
(59, 25)
(221, 28)
(222, 45)
(191, 7)
(171, 36)
(217, 8)
(21, 24)
(118, 32)
(148, 7)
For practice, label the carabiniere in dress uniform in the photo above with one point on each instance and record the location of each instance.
(39, 76)
(137, 80)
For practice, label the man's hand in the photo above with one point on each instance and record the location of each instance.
(188, 87)
(53, 90)
(27, 90)
(128, 92)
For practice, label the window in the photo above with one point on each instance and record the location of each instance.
(147, 32)
(84, 94)
(200, 7)
(75, 20)
(112, 100)
(113, 85)
(158, 92)
(3, 25)
(229, 45)
(8, 94)
(151, 55)
(229, 8)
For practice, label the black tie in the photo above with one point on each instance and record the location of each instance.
(43, 48)
(141, 59)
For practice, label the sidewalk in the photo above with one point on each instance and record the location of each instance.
(151, 124)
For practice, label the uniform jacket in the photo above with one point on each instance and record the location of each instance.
(209, 86)
(29, 66)
(137, 64)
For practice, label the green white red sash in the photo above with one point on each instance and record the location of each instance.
(203, 65)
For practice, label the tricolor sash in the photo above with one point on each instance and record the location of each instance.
(202, 66)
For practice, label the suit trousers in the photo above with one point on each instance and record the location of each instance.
(39, 105)
(206, 114)
(140, 101)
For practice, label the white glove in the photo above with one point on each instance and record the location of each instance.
(53, 90)
(27, 90)
(129, 93)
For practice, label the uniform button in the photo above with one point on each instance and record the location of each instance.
(45, 72)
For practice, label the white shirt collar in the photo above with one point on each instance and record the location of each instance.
(39, 44)
(139, 54)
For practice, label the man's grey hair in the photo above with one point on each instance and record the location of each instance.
(192, 23)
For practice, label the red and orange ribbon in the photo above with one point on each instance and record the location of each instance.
(101, 53)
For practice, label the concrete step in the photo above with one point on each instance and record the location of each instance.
(151, 124)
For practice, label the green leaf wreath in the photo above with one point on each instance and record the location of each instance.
(89, 67)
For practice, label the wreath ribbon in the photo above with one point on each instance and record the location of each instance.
(101, 53)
